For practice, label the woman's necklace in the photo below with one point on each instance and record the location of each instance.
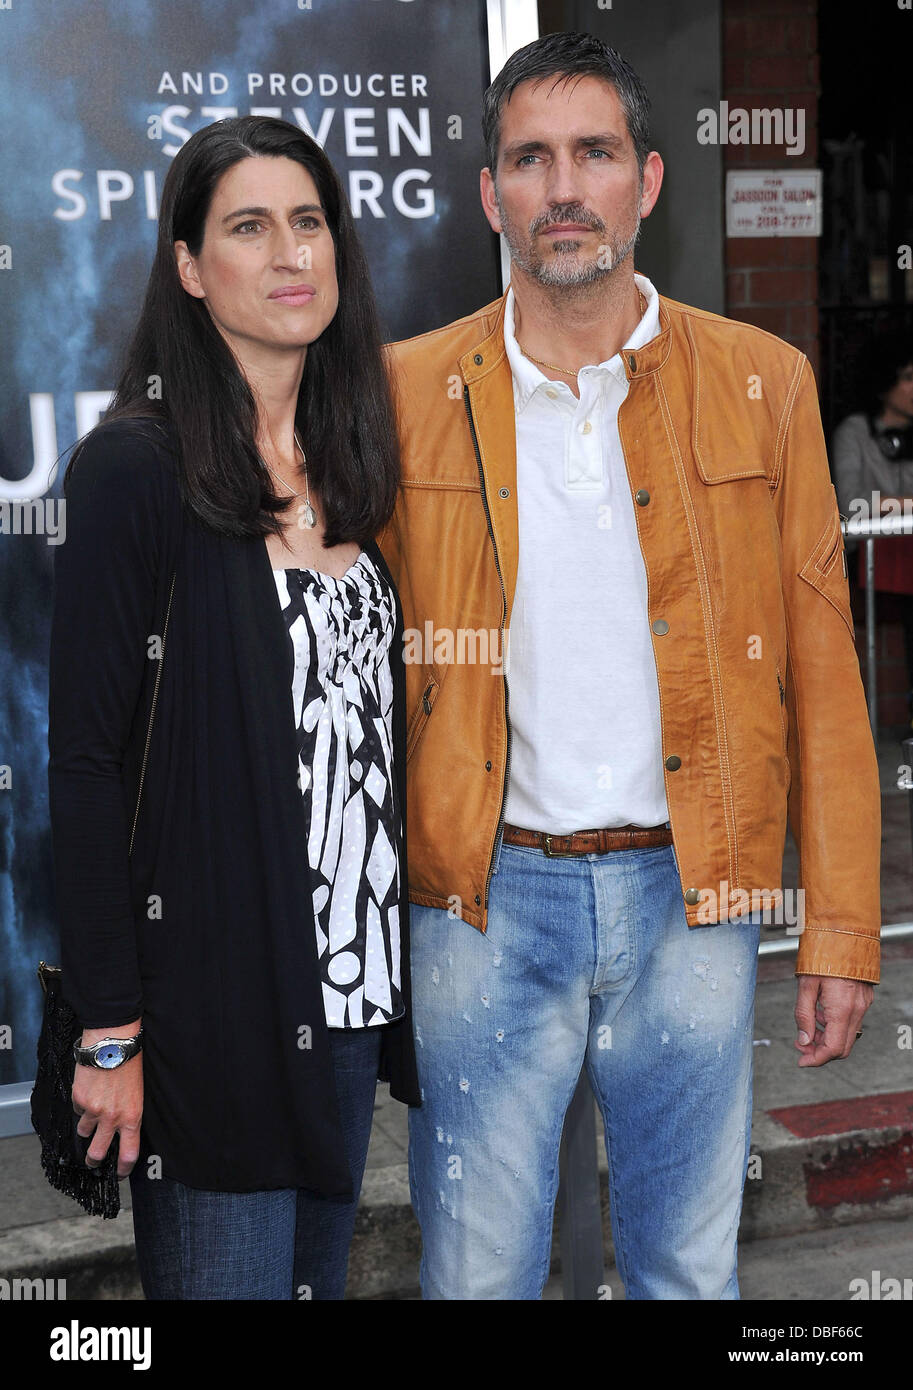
(565, 371)
(310, 516)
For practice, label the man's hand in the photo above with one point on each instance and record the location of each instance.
(829, 1012)
(110, 1102)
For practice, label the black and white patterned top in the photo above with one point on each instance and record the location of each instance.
(341, 631)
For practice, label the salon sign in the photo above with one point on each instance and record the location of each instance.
(783, 202)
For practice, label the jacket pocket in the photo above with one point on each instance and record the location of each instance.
(724, 442)
(825, 574)
(420, 715)
(782, 699)
(717, 467)
(830, 548)
(784, 728)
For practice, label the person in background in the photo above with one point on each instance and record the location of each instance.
(872, 457)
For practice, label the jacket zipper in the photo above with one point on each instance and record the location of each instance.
(155, 693)
(475, 445)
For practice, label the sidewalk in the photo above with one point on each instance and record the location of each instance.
(830, 1146)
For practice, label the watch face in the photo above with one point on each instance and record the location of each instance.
(111, 1055)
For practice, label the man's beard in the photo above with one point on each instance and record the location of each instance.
(562, 269)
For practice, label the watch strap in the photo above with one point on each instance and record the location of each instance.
(87, 1056)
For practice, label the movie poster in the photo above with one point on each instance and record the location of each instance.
(95, 102)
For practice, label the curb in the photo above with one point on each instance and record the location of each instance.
(812, 1167)
(831, 1163)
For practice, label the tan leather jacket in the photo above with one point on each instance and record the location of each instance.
(761, 699)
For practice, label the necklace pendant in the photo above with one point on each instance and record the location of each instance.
(310, 516)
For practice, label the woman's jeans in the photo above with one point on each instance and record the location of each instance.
(586, 961)
(285, 1243)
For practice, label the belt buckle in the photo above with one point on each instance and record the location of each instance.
(554, 854)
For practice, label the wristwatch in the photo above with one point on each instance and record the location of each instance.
(109, 1052)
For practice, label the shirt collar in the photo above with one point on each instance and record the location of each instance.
(527, 377)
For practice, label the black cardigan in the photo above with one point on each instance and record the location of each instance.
(207, 931)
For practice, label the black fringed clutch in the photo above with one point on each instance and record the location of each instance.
(63, 1151)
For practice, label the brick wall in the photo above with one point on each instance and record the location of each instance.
(770, 60)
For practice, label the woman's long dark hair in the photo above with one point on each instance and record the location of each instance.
(345, 414)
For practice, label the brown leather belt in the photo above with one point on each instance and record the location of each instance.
(589, 841)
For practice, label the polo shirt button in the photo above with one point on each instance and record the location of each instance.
(641, 497)
(673, 762)
(586, 427)
(552, 395)
(660, 627)
(692, 896)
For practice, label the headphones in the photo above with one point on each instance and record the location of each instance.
(895, 444)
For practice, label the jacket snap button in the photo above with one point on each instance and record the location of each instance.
(660, 627)
(632, 362)
(641, 497)
(503, 491)
(478, 900)
(478, 359)
(673, 763)
(488, 767)
(692, 896)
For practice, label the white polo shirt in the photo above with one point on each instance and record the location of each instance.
(586, 746)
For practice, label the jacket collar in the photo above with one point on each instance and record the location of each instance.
(490, 353)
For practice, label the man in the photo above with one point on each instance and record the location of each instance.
(639, 492)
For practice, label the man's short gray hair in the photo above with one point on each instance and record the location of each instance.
(562, 56)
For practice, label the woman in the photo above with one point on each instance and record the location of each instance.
(226, 733)
(873, 454)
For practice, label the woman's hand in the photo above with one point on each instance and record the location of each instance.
(110, 1102)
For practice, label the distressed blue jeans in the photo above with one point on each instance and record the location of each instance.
(586, 961)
